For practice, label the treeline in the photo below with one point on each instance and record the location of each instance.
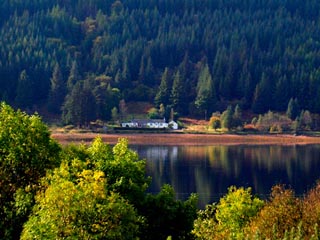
(293, 120)
(96, 191)
(194, 56)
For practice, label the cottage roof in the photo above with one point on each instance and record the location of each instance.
(145, 121)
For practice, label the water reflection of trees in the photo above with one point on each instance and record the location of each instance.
(210, 170)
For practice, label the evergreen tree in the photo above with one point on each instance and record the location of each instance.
(237, 116)
(281, 94)
(149, 73)
(57, 91)
(262, 101)
(177, 93)
(227, 118)
(79, 106)
(163, 91)
(25, 91)
(293, 109)
(74, 76)
(206, 97)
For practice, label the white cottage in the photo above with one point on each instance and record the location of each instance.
(145, 123)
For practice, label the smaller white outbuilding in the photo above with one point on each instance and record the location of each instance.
(173, 125)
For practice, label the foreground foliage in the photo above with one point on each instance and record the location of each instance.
(99, 192)
(76, 205)
(227, 219)
(26, 152)
(238, 215)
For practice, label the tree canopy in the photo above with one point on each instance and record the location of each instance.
(27, 152)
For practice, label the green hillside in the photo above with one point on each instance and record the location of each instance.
(79, 58)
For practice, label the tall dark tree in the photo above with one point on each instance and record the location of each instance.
(163, 93)
(79, 106)
(262, 101)
(227, 118)
(177, 99)
(293, 109)
(74, 76)
(281, 94)
(206, 97)
(57, 91)
(25, 91)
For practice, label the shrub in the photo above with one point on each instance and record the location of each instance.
(214, 122)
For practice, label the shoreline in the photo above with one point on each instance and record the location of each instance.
(167, 139)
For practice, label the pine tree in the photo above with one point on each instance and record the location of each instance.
(74, 75)
(293, 109)
(163, 91)
(227, 118)
(237, 116)
(25, 91)
(177, 93)
(206, 97)
(79, 106)
(57, 91)
(281, 94)
(262, 96)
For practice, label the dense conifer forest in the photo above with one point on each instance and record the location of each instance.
(81, 58)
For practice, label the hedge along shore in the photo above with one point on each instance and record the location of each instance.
(188, 139)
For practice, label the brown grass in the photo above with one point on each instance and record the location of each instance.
(187, 139)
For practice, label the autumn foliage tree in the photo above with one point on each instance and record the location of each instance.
(279, 215)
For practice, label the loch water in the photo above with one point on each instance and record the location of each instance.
(210, 170)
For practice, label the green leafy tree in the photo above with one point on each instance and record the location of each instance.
(76, 205)
(153, 113)
(215, 122)
(123, 169)
(229, 217)
(167, 216)
(235, 210)
(27, 151)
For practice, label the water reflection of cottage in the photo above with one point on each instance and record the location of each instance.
(149, 123)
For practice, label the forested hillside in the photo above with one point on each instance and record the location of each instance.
(81, 57)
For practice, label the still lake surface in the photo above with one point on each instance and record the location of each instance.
(210, 170)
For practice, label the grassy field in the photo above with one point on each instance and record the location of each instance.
(187, 139)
